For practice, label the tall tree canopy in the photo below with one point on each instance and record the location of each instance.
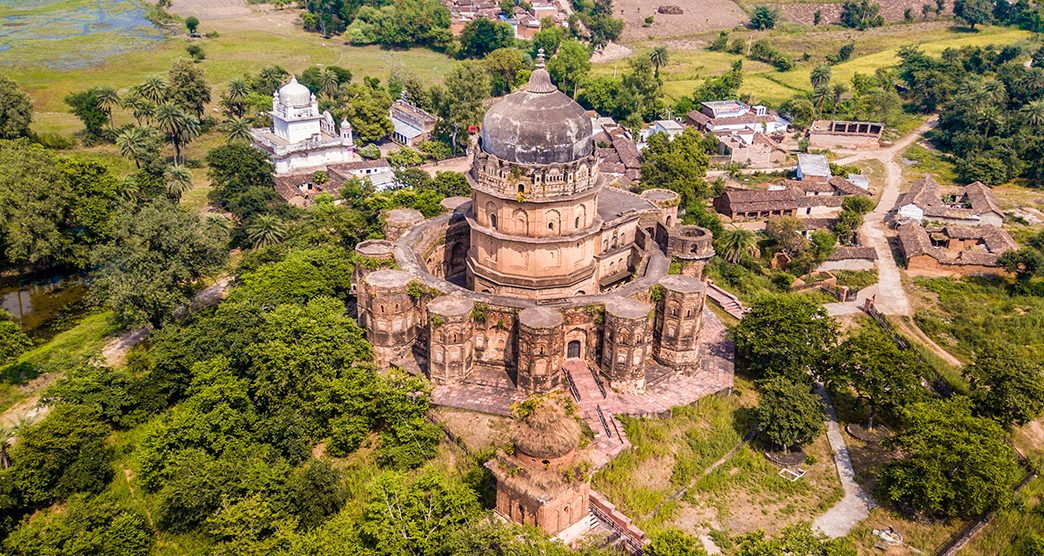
(16, 110)
(952, 463)
(784, 335)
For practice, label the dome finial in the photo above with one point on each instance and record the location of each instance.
(540, 58)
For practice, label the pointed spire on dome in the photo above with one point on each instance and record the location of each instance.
(539, 80)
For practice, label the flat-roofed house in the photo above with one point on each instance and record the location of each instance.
(733, 115)
(813, 167)
(829, 134)
(412, 125)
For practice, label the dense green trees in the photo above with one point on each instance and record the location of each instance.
(789, 413)
(85, 526)
(987, 98)
(241, 177)
(678, 165)
(951, 462)
(570, 66)
(885, 378)
(1006, 385)
(796, 540)
(16, 110)
(399, 24)
(62, 455)
(784, 335)
(763, 17)
(53, 211)
(158, 254)
(973, 12)
(861, 14)
(482, 36)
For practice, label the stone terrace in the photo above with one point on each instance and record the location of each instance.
(493, 392)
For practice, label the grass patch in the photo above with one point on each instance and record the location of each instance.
(976, 311)
(855, 279)
(1011, 524)
(668, 453)
(928, 162)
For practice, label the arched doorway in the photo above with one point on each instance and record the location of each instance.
(573, 350)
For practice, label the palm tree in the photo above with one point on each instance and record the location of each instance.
(820, 76)
(179, 181)
(134, 144)
(1034, 114)
(179, 126)
(988, 117)
(737, 242)
(107, 98)
(154, 89)
(839, 91)
(328, 82)
(659, 57)
(237, 129)
(219, 225)
(265, 230)
(235, 97)
(6, 437)
(141, 107)
(819, 97)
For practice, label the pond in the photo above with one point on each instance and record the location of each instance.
(38, 305)
(68, 34)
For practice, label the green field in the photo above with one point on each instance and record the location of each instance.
(241, 47)
(689, 64)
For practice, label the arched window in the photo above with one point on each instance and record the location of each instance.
(553, 219)
(521, 188)
(577, 225)
(521, 221)
(491, 211)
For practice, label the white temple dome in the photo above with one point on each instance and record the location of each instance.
(295, 94)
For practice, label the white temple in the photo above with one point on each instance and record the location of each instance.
(301, 138)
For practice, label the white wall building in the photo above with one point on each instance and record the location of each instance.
(301, 138)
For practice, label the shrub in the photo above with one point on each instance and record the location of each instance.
(763, 17)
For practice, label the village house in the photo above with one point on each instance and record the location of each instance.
(526, 23)
(669, 127)
(813, 167)
(788, 198)
(621, 159)
(300, 137)
(733, 115)
(830, 134)
(972, 205)
(301, 189)
(954, 250)
(412, 125)
(750, 148)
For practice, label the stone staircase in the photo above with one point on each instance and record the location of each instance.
(730, 303)
(591, 396)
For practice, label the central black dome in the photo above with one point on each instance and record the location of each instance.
(539, 125)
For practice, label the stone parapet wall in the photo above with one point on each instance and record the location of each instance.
(533, 182)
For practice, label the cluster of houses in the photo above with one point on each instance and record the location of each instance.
(526, 23)
(951, 231)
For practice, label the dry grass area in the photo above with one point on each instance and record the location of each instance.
(746, 493)
(478, 431)
(698, 16)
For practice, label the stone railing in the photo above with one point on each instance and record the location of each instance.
(633, 538)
